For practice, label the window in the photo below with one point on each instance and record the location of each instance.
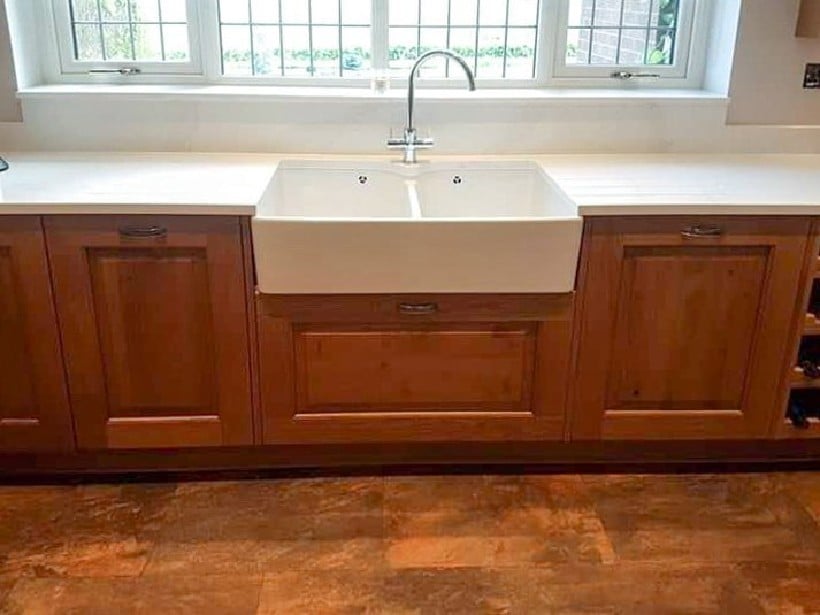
(601, 37)
(613, 32)
(150, 35)
(302, 38)
(499, 38)
(507, 42)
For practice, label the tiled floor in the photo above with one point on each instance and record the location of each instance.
(454, 544)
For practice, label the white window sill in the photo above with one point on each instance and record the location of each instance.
(261, 93)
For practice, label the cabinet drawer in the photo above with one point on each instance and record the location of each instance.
(135, 231)
(698, 231)
(416, 308)
(436, 370)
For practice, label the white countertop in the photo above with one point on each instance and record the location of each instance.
(64, 183)
(55, 183)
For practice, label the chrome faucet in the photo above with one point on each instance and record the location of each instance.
(410, 142)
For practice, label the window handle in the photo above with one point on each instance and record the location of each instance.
(125, 71)
(626, 75)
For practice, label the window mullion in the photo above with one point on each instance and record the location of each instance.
(552, 36)
(379, 35)
(205, 31)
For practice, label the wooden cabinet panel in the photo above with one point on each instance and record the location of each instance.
(156, 363)
(154, 326)
(34, 412)
(679, 307)
(432, 369)
(363, 372)
(682, 336)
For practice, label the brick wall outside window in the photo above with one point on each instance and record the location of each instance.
(633, 43)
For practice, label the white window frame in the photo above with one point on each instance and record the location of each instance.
(690, 42)
(71, 66)
(551, 69)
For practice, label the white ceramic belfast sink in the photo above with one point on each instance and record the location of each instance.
(384, 227)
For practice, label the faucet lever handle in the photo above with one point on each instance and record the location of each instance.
(400, 142)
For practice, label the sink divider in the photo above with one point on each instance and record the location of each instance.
(413, 198)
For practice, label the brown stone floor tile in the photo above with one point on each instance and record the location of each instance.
(80, 531)
(258, 557)
(561, 589)
(699, 546)
(496, 551)
(425, 493)
(496, 521)
(503, 522)
(87, 558)
(244, 524)
(275, 510)
(172, 595)
(790, 587)
(322, 591)
(633, 589)
(6, 585)
(287, 496)
(686, 502)
(805, 488)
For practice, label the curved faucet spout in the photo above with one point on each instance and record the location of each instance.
(410, 142)
(411, 86)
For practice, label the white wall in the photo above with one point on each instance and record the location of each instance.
(9, 107)
(767, 77)
(722, 40)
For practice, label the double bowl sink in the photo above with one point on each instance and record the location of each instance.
(385, 227)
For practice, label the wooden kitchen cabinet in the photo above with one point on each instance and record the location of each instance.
(34, 411)
(154, 324)
(684, 324)
(382, 368)
(808, 19)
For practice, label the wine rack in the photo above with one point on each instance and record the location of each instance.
(802, 412)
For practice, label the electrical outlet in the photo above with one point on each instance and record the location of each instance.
(812, 79)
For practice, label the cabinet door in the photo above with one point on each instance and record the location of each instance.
(398, 368)
(154, 327)
(684, 324)
(34, 411)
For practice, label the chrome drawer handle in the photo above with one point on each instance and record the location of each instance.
(418, 308)
(697, 231)
(142, 232)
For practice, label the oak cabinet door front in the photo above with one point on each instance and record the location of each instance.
(34, 414)
(154, 325)
(684, 325)
(383, 368)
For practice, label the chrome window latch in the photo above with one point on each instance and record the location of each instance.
(626, 75)
(124, 71)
